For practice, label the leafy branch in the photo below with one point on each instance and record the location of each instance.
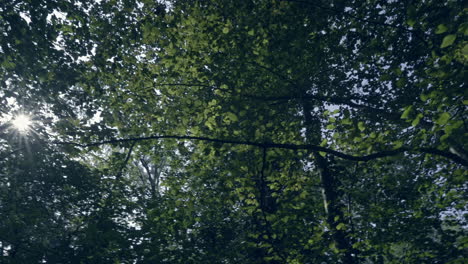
(270, 145)
(364, 20)
(325, 99)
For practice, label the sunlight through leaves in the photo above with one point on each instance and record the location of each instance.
(22, 123)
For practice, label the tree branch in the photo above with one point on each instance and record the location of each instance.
(321, 98)
(325, 99)
(11, 153)
(266, 145)
(127, 158)
(368, 21)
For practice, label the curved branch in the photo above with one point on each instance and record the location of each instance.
(266, 145)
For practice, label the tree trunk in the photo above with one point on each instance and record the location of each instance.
(330, 184)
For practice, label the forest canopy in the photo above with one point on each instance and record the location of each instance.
(221, 131)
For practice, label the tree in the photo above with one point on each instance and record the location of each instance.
(291, 131)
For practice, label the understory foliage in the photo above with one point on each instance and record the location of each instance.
(267, 131)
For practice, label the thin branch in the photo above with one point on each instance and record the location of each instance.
(365, 158)
(321, 98)
(185, 84)
(274, 72)
(327, 99)
(324, 99)
(151, 178)
(11, 153)
(127, 158)
(140, 175)
(336, 11)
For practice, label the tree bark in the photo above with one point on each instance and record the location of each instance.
(330, 194)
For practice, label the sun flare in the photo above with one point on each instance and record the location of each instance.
(22, 123)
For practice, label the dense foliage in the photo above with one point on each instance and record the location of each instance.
(268, 131)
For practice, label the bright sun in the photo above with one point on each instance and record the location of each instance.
(22, 122)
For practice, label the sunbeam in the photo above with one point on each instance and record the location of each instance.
(22, 123)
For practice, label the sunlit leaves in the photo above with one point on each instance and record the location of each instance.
(377, 77)
(417, 120)
(441, 29)
(448, 40)
(443, 119)
(22, 123)
(361, 126)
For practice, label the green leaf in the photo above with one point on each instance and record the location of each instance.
(346, 121)
(251, 32)
(330, 126)
(448, 40)
(324, 142)
(449, 128)
(406, 112)
(417, 120)
(443, 119)
(232, 117)
(333, 247)
(210, 123)
(340, 226)
(465, 50)
(444, 137)
(424, 97)
(410, 22)
(441, 29)
(225, 30)
(361, 126)
(398, 144)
